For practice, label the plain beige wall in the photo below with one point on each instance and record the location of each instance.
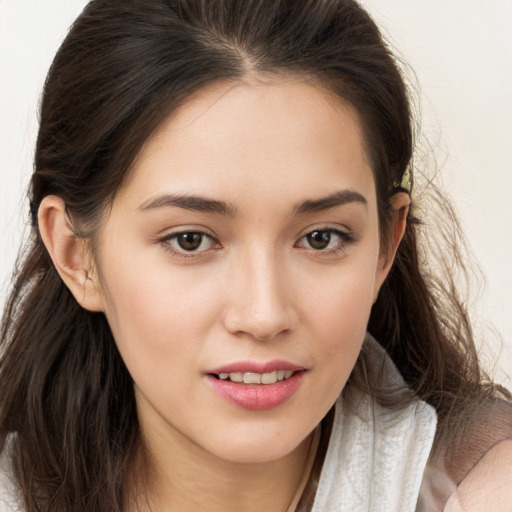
(461, 51)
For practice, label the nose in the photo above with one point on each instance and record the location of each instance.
(259, 305)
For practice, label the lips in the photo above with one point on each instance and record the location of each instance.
(256, 386)
(254, 367)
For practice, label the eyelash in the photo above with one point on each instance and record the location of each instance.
(344, 239)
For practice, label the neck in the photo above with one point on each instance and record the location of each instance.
(182, 477)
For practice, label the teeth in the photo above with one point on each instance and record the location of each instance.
(257, 378)
(269, 378)
(252, 378)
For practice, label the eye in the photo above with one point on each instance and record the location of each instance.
(319, 239)
(188, 242)
(329, 240)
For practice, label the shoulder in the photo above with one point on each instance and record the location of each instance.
(489, 482)
(471, 466)
(484, 423)
(479, 460)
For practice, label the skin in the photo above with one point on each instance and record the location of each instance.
(255, 289)
(487, 483)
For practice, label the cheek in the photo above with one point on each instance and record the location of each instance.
(157, 317)
(341, 297)
(339, 307)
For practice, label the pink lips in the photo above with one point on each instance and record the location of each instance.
(256, 397)
(251, 366)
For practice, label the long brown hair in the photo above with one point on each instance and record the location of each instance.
(66, 394)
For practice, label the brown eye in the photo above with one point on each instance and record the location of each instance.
(319, 239)
(326, 241)
(189, 241)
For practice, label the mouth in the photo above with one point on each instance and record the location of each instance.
(255, 386)
(255, 378)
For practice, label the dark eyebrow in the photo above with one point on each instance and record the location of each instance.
(324, 203)
(189, 202)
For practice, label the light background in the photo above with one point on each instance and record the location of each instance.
(461, 52)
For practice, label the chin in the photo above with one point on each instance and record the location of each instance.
(258, 450)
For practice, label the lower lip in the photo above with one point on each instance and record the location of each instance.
(256, 397)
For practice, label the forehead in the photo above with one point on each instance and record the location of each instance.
(266, 136)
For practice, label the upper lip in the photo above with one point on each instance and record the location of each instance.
(255, 367)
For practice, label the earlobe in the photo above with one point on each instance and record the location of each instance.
(400, 205)
(69, 253)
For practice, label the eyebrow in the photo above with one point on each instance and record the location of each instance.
(332, 200)
(190, 202)
(205, 205)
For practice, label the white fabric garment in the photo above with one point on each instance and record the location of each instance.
(376, 456)
(8, 498)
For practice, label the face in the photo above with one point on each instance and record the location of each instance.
(244, 246)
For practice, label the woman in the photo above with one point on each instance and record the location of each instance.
(222, 231)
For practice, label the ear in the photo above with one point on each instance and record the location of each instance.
(69, 253)
(400, 205)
